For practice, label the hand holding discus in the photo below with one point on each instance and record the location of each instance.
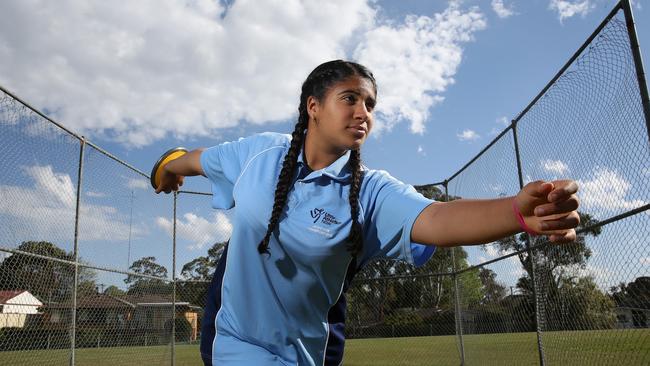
(161, 179)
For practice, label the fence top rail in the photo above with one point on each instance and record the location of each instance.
(195, 192)
(70, 132)
(593, 35)
(80, 264)
(113, 157)
(611, 14)
(28, 106)
(488, 146)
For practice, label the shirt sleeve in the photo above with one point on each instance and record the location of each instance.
(390, 212)
(223, 164)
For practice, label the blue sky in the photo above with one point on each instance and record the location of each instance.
(141, 79)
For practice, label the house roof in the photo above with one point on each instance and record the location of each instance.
(100, 301)
(96, 301)
(8, 295)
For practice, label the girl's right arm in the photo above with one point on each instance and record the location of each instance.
(176, 170)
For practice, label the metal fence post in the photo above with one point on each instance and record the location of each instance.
(457, 311)
(539, 307)
(174, 283)
(638, 62)
(73, 322)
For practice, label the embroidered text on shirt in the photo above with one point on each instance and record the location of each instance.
(327, 218)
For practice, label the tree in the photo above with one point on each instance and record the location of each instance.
(48, 280)
(557, 268)
(197, 275)
(438, 291)
(635, 296)
(202, 268)
(431, 192)
(430, 286)
(493, 291)
(114, 291)
(147, 266)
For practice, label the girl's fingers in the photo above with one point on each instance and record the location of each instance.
(538, 189)
(569, 221)
(563, 190)
(168, 185)
(558, 207)
(566, 237)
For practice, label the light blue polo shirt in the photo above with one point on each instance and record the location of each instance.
(274, 307)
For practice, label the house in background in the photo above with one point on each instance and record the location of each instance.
(632, 318)
(16, 306)
(152, 314)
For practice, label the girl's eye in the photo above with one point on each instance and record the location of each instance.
(350, 99)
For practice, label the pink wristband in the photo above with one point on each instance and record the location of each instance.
(520, 219)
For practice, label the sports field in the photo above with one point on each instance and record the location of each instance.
(614, 347)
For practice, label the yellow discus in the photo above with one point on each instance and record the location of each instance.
(170, 155)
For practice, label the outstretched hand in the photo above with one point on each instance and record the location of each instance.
(169, 182)
(550, 208)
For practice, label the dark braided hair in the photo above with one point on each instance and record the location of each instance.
(318, 82)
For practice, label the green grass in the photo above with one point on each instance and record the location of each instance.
(612, 347)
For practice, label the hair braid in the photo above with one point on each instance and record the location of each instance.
(286, 176)
(355, 238)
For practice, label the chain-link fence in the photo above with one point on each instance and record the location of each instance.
(95, 268)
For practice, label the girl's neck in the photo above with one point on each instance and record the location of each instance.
(319, 155)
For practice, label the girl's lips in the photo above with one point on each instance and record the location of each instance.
(358, 129)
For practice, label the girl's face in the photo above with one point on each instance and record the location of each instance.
(343, 119)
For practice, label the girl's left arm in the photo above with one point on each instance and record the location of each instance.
(548, 208)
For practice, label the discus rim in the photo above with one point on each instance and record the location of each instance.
(163, 160)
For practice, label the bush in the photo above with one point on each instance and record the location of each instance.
(183, 329)
(403, 318)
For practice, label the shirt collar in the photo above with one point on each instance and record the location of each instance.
(338, 170)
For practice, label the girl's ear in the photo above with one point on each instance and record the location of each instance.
(312, 107)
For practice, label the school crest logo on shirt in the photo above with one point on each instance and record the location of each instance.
(323, 216)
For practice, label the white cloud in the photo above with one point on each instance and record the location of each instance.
(568, 8)
(468, 135)
(157, 67)
(96, 194)
(200, 231)
(492, 251)
(517, 269)
(415, 62)
(503, 121)
(604, 276)
(138, 183)
(606, 190)
(645, 261)
(501, 9)
(421, 151)
(527, 179)
(136, 73)
(496, 187)
(47, 209)
(554, 166)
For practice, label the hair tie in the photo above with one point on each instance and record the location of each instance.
(520, 219)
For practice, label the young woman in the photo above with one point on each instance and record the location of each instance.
(335, 317)
(308, 212)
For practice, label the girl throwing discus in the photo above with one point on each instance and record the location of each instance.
(307, 212)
